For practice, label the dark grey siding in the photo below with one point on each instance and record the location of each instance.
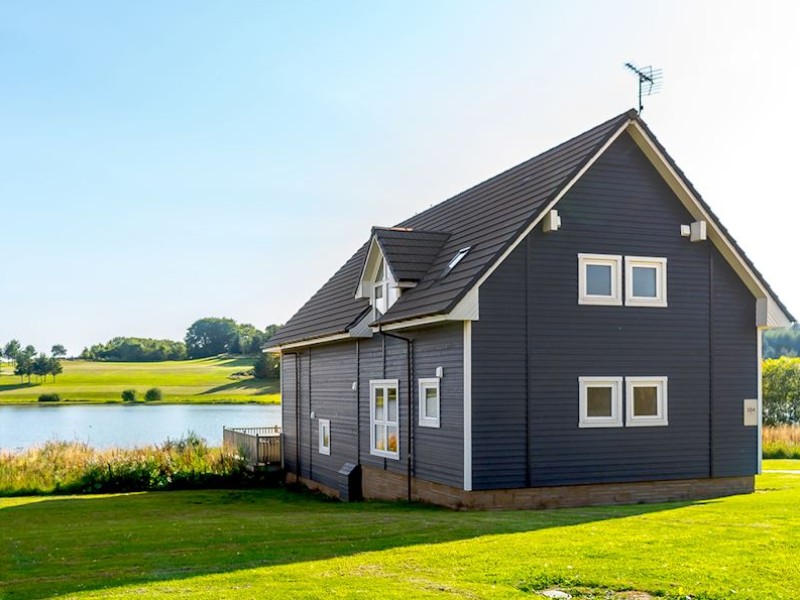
(621, 206)
(289, 398)
(499, 387)
(734, 446)
(438, 454)
(326, 376)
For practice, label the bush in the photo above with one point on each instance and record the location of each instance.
(73, 467)
(49, 398)
(267, 366)
(129, 396)
(152, 395)
(781, 389)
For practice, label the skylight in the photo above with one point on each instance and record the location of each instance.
(455, 260)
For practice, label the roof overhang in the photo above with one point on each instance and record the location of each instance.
(769, 312)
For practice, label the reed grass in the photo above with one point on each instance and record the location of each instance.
(75, 468)
(781, 441)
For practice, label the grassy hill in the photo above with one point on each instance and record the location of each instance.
(221, 544)
(207, 380)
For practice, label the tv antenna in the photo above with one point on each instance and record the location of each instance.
(649, 81)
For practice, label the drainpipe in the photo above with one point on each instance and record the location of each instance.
(409, 408)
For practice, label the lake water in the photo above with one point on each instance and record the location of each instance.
(108, 425)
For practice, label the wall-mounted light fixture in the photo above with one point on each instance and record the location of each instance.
(552, 222)
(440, 371)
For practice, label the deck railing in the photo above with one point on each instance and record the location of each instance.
(260, 446)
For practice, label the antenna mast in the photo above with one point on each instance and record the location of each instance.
(649, 81)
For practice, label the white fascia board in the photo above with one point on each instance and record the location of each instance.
(410, 323)
(777, 318)
(361, 291)
(312, 342)
(544, 212)
(467, 309)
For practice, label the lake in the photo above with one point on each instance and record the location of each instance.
(109, 425)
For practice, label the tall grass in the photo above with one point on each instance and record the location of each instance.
(72, 467)
(781, 441)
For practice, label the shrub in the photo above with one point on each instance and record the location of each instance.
(152, 395)
(781, 389)
(49, 398)
(129, 396)
(72, 467)
(782, 441)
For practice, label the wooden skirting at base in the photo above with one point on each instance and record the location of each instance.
(385, 485)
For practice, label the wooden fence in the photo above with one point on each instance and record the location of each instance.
(260, 446)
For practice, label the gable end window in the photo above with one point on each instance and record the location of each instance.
(646, 399)
(600, 402)
(384, 418)
(325, 436)
(429, 403)
(645, 281)
(600, 279)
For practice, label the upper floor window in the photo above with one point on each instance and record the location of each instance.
(600, 279)
(380, 290)
(646, 281)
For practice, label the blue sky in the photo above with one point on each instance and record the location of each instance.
(165, 161)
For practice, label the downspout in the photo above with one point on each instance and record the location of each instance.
(409, 408)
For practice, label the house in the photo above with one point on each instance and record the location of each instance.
(579, 329)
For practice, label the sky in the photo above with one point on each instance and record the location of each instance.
(161, 162)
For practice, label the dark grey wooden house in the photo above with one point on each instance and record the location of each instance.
(579, 329)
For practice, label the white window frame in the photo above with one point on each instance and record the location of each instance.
(385, 384)
(323, 425)
(607, 260)
(651, 262)
(615, 420)
(424, 419)
(660, 383)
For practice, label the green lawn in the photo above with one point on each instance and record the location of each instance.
(277, 544)
(200, 381)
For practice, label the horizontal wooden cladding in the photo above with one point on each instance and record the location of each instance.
(525, 417)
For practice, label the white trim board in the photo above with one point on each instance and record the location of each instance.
(467, 406)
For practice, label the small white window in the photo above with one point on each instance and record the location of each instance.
(429, 402)
(384, 411)
(645, 281)
(646, 399)
(600, 401)
(600, 279)
(325, 436)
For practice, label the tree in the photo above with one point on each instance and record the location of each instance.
(23, 366)
(41, 366)
(211, 336)
(54, 367)
(267, 366)
(781, 391)
(12, 350)
(58, 350)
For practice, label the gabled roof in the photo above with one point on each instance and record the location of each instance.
(490, 218)
(409, 252)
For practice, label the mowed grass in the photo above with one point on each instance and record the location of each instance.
(278, 544)
(205, 380)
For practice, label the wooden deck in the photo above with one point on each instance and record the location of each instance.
(260, 446)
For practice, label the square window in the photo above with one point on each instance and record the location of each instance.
(600, 279)
(600, 402)
(384, 407)
(646, 401)
(429, 402)
(645, 281)
(324, 436)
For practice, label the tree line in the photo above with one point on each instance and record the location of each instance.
(27, 362)
(782, 342)
(206, 337)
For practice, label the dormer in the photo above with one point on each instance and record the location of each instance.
(397, 259)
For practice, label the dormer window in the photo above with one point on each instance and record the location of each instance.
(380, 290)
